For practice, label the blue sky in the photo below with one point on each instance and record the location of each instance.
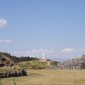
(31, 27)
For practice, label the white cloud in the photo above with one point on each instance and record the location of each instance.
(34, 52)
(5, 41)
(42, 50)
(3, 22)
(68, 50)
(63, 54)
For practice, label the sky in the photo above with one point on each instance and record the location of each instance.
(31, 27)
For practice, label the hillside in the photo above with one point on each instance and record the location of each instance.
(17, 59)
(27, 62)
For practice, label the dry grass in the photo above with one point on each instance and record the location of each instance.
(49, 77)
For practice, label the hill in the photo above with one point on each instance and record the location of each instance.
(16, 59)
(26, 61)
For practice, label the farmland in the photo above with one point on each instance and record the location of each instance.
(48, 77)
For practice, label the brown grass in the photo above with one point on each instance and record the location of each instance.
(49, 77)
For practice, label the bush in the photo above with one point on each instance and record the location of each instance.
(54, 63)
(35, 65)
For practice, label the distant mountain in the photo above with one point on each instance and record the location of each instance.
(59, 58)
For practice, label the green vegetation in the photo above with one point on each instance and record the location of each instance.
(18, 59)
(33, 65)
(54, 63)
(26, 62)
(9, 68)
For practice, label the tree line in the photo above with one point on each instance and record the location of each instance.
(17, 59)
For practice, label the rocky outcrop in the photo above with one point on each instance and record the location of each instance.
(5, 61)
(77, 63)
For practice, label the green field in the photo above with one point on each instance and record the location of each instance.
(48, 77)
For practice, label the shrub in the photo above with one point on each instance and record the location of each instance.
(34, 65)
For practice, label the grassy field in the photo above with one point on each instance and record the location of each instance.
(48, 77)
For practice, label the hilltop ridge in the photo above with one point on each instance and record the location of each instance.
(16, 59)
